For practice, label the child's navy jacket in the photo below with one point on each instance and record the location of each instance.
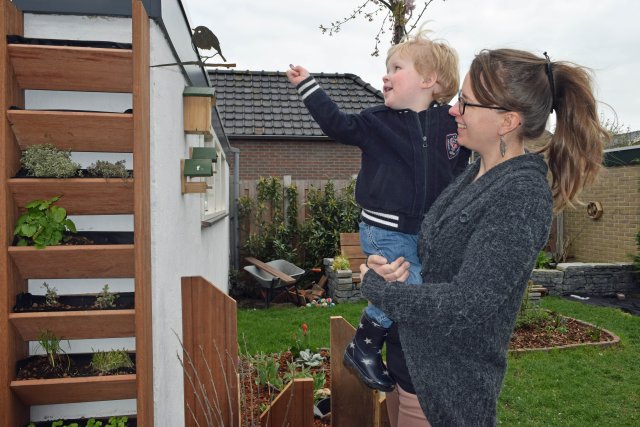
(408, 158)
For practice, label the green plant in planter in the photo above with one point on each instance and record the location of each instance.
(309, 358)
(47, 161)
(108, 361)
(51, 295)
(341, 262)
(106, 169)
(50, 343)
(106, 299)
(43, 224)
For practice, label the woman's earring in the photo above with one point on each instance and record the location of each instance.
(503, 146)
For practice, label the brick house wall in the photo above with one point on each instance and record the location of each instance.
(611, 238)
(320, 159)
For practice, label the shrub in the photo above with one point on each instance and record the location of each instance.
(106, 169)
(274, 237)
(330, 214)
(47, 161)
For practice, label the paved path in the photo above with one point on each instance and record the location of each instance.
(630, 304)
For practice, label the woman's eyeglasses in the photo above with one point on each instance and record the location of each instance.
(462, 105)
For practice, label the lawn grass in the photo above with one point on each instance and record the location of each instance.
(273, 330)
(578, 387)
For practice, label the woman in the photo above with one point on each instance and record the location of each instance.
(479, 241)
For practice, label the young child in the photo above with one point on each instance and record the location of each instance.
(410, 154)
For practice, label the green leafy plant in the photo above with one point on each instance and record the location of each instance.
(51, 295)
(543, 260)
(47, 161)
(341, 262)
(118, 422)
(106, 299)
(50, 343)
(43, 224)
(266, 367)
(106, 169)
(106, 362)
(309, 358)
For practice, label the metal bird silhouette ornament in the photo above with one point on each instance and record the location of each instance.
(203, 38)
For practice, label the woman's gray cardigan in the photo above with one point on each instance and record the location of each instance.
(478, 244)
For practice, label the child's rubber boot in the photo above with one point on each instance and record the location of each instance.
(364, 355)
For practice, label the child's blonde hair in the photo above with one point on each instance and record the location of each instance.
(432, 56)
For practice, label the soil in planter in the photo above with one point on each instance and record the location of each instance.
(82, 422)
(66, 365)
(94, 238)
(26, 302)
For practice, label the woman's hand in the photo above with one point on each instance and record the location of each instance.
(397, 271)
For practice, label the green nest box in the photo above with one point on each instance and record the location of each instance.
(208, 153)
(198, 167)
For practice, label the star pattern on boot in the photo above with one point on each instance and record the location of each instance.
(367, 361)
(368, 341)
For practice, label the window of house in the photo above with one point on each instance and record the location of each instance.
(215, 202)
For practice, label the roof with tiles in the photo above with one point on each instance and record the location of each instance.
(263, 104)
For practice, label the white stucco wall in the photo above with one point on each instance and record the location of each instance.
(179, 245)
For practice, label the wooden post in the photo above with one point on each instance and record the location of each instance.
(293, 407)
(352, 403)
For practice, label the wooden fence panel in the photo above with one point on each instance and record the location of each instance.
(293, 407)
(352, 403)
(210, 341)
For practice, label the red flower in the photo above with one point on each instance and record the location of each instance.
(305, 328)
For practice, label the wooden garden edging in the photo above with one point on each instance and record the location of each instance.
(352, 403)
(210, 341)
(293, 407)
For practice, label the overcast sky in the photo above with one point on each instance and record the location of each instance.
(603, 35)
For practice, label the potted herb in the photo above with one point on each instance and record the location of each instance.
(43, 224)
(47, 161)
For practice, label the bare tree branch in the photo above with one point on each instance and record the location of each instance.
(400, 14)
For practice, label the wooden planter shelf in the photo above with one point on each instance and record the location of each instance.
(74, 131)
(81, 196)
(79, 262)
(72, 68)
(73, 390)
(76, 324)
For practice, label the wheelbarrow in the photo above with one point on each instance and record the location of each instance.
(276, 275)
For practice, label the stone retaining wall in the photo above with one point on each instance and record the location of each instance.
(601, 279)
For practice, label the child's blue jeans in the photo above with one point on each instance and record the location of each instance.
(391, 245)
